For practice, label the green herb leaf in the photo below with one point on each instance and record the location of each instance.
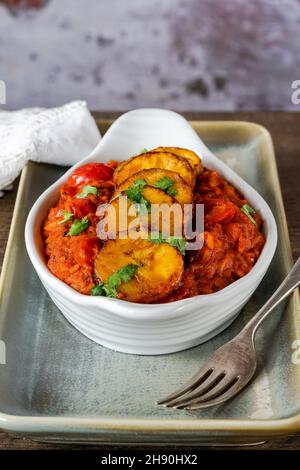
(140, 182)
(124, 274)
(86, 190)
(171, 192)
(142, 208)
(134, 193)
(110, 291)
(248, 210)
(67, 216)
(144, 150)
(178, 242)
(156, 237)
(98, 290)
(145, 206)
(165, 184)
(109, 287)
(78, 226)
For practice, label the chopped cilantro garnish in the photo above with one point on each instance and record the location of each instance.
(165, 184)
(86, 190)
(78, 226)
(143, 207)
(134, 193)
(109, 287)
(171, 192)
(67, 216)
(178, 242)
(248, 210)
(123, 275)
(140, 182)
(156, 237)
(98, 290)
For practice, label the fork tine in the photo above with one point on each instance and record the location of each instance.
(223, 397)
(213, 392)
(191, 384)
(210, 383)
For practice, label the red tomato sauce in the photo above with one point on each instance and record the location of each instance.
(71, 258)
(232, 242)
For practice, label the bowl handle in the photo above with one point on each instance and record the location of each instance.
(147, 128)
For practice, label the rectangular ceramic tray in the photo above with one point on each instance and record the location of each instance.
(58, 385)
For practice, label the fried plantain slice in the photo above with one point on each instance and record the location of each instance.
(164, 160)
(159, 268)
(127, 213)
(182, 192)
(118, 169)
(192, 157)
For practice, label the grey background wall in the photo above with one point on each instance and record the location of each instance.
(180, 54)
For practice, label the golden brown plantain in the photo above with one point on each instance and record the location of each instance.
(189, 155)
(184, 194)
(163, 218)
(126, 213)
(121, 213)
(157, 196)
(118, 169)
(164, 160)
(159, 268)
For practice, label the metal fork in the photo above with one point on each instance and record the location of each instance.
(233, 365)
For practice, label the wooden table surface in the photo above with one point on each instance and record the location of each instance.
(285, 130)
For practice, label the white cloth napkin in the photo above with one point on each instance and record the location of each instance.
(62, 136)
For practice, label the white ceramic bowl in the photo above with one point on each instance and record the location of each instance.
(139, 328)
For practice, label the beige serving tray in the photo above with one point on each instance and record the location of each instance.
(58, 385)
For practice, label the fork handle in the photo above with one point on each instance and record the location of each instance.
(287, 286)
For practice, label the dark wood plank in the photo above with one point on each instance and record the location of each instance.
(285, 130)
